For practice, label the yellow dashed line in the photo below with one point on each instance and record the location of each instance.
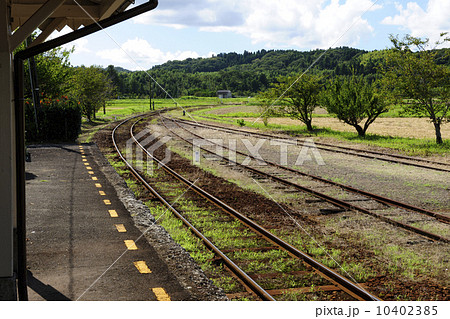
(107, 202)
(102, 193)
(120, 228)
(161, 294)
(94, 178)
(91, 172)
(88, 167)
(142, 267)
(84, 159)
(98, 185)
(113, 213)
(131, 245)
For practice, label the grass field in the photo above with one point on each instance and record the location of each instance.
(413, 136)
(122, 108)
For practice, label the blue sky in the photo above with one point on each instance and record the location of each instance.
(178, 29)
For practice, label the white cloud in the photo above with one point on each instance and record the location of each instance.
(305, 24)
(418, 22)
(138, 54)
(80, 45)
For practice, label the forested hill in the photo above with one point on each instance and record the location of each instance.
(244, 74)
(269, 62)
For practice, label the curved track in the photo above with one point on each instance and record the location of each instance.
(344, 284)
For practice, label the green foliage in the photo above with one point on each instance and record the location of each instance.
(240, 122)
(300, 95)
(243, 74)
(53, 71)
(91, 87)
(57, 120)
(418, 77)
(353, 99)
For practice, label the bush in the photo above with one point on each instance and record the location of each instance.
(240, 122)
(57, 120)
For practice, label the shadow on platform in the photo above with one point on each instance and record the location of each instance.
(45, 291)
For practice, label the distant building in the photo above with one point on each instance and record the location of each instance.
(224, 94)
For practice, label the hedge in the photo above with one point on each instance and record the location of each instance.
(57, 121)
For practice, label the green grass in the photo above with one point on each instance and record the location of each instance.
(121, 108)
(409, 146)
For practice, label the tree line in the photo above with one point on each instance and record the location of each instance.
(353, 84)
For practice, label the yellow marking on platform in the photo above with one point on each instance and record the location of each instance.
(131, 245)
(87, 164)
(88, 167)
(142, 267)
(94, 178)
(91, 172)
(102, 193)
(107, 202)
(120, 228)
(113, 213)
(98, 185)
(161, 294)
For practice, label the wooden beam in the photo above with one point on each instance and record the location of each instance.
(109, 7)
(65, 11)
(42, 14)
(52, 26)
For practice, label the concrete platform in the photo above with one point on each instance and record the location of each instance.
(83, 242)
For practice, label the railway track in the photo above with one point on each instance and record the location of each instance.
(267, 241)
(393, 158)
(385, 204)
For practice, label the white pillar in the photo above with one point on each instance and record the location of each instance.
(7, 161)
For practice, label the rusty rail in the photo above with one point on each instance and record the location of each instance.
(349, 287)
(335, 201)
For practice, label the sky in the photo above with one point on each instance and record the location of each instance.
(180, 29)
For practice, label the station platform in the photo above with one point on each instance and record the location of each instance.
(85, 235)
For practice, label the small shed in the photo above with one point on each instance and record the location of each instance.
(225, 94)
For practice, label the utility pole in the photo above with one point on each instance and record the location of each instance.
(34, 85)
(150, 94)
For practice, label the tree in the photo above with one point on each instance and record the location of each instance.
(54, 72)
(115, 79)
(299, 95)
(416, 76)
(352, 99)
(91, 87)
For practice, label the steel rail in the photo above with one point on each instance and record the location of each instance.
(332, 200)
(378, 198)
(247, 280)
(343, 148)
(342, 282)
